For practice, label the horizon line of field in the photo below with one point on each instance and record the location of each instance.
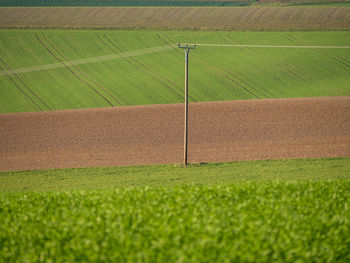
(147, 51)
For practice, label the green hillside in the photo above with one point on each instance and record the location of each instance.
(216, 73)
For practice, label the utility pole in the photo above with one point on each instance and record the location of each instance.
(187, 51)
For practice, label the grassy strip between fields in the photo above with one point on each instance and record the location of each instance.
(173, 175)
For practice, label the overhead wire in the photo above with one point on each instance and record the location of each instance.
(88, 60)
(146, 51)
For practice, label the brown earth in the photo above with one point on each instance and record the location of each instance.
(201, 18)
(218, 131)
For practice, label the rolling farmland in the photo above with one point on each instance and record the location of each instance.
(216, 73)
(75, 92)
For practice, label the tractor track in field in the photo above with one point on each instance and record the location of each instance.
(178, 91)
(22, 91)
(326, 53)
(323, 52)
(26, 87)
(231, 77)
(72, 71)
(286, 67)
(153, 74)
(82, 71)
(153, 134)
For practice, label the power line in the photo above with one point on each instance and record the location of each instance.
(88, 60)
(146, 51)
(272, 46)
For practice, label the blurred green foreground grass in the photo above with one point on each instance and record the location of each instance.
(261, 211)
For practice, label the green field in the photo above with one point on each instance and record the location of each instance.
(283, 210)
(216, 73)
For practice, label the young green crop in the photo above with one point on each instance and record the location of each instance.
(215, 73)
(246, 222)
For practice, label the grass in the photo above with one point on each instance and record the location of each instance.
(273, 210)
(304, 221)
(174, 175)
(215, 73)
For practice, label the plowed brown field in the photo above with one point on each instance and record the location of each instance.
(255, 18)
(218, 131)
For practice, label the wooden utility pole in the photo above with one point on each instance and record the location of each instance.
(187, 51)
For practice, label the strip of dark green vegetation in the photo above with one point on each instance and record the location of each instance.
(305, 221)
(174, 175)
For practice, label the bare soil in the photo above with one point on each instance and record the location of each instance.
(135, 135)
(201, 18)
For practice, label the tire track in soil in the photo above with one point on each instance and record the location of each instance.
(218, 70)
(73, 72)
(286, 67)
(155, 75)
(82, 71)
(26, 86)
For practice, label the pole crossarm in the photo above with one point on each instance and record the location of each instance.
(186, 46)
